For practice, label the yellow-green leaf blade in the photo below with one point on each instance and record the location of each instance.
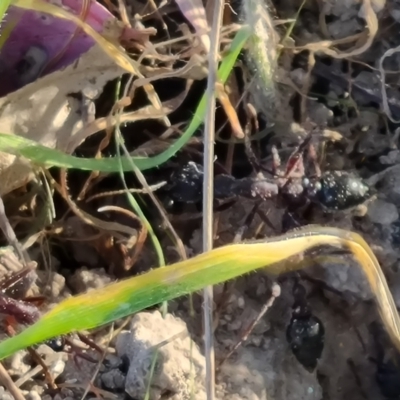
(132, 295)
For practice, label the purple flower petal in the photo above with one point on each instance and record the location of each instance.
(41, 43)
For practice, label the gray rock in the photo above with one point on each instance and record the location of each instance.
(270, 375)
(54, 361)
(50, 285)
(84, 280)
(113, 379)
(389, 183)
(18, 364)
(84, 373)
(393, 157)
(343, 274)
(382, 212)
(180, 368)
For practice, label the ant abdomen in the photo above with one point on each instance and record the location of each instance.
(340, 190)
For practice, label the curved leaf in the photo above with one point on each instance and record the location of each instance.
(123, 298)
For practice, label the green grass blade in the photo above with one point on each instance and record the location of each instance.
(4, 4)
(5, 29)
(123, 298)
(53, 158)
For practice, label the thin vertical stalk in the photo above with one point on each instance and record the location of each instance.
(208, 191)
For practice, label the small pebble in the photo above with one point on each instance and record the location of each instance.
(235, 325)
(240, 302)
(18, 365)
(256, 341)
(112, 361)
(262, 326)
(113, 379)
(84, 280)
(57, 368)
(4, 395)
(228, 317)
(33, 395)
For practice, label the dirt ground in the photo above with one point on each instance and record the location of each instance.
(355, 129)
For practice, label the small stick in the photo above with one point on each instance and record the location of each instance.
(36, 357)
(276, 292)
(91, 386)
(208, 190)
(8, 383)
(9, 233)
(124, 191)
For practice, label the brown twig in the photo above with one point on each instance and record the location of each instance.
(99, 365)
(124, 191)
(8, 383)
(276, 291)
(36, 357)
(9, 233)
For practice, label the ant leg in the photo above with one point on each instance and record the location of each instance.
(276, 161)
(251, 156)
(354, 370)
(295, 167)
(249, 219)
(314, 158)
(295, 164)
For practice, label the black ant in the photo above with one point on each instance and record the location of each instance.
(332, 190)
(305, 333)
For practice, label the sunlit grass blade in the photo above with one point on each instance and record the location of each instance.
(4, 4)
(5, 32)
(123, 298)
(50, 157)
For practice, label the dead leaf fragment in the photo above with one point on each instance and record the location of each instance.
(195, 13)
(43, 111)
